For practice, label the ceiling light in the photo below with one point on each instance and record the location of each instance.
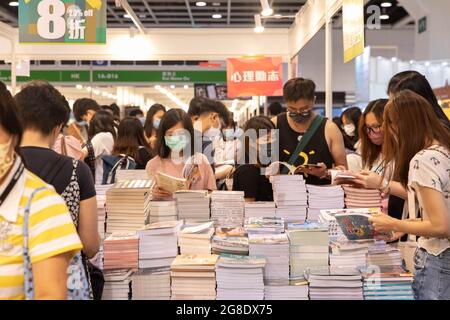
(216, 4)
(79, 86)
(127, 16)
(186, 87)
(394, 59)
(259, 28)
(278, 16)
(444, 64)
(104, 94)
(172, 87)
(384, 17)
(157, 87)
(200, 4)
(427, 64)
(217, 16)
(96, 92)
(266, 9)
(386, 4)
(89, 89)
(14, 4)
(411, 62)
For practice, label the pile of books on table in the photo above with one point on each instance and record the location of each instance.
(322, 198)
(127, 204)
(117, 285)
(387, 283)
(264, 225)
(275, 248)
(161, 211)
(158, 244)
(196, 238)
(309, 246)
(292, 292)
(328, 219)
(227, 208)
(329, 283)
(193, 205)
(240, 277)
(384, 255)
(151, 284)
(194, 277)
(361, 198)
(352, 254)
(230, 240)
(290, 196)
(259, 209)
(121, 251)
(101, 208)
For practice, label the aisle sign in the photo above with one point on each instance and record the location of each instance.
(62, 21)
(260, 76)
(353, 29)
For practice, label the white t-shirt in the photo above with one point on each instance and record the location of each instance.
(103, 144)
(430, 168)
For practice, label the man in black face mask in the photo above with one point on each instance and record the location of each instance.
(325, 146)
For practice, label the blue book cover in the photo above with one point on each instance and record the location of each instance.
(356, 226)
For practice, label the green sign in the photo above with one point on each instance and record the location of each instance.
(160, 76)
(422, 25)
(62, 21)
(49, 75)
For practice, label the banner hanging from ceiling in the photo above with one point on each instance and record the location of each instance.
(255, 76)
(62, 21)
(353, 29)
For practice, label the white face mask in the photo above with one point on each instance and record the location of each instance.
(6, 159)
(212, 132)
(349, 130)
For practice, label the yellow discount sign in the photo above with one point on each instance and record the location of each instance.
(353, 29)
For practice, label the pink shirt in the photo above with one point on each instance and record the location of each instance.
(206, 181)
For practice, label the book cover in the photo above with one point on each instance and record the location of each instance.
(356, 226)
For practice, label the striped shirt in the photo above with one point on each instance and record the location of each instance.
(51, 230)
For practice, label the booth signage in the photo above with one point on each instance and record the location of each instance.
(49, 75)
(260, 76)
(159, 76)
(353, 29)
(62, 21)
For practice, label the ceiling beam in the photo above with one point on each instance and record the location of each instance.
(137, 22)
(229, 12)
(7, 15)
(188, 6)
(116, 16)
(150, 11)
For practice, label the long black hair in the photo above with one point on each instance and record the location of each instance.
(130, 138)
(417, 83)
(148, 126)
(171, 119)
(102, 121)
(9, 119)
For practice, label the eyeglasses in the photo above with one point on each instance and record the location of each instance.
(374, 129)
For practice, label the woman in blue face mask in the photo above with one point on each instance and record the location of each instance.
(174, 148)
(152, 122)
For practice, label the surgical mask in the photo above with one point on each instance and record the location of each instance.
(82, 123)
(176, 143)
(228, 134)
(376, 138)
(300, 117)
(350, 130)
(142, 120)
(6, 160)
(212, 133)
(156, 123)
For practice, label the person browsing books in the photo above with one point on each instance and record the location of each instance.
(422, 165)
(174, 147)
(152, 121)
(307, 138)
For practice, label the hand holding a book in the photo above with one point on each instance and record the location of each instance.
(368, 180)
(319, 170)
(161, 194)
(383, 223)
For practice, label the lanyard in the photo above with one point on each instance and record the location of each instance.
(12, 183)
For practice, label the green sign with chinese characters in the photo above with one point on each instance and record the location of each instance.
(49, 75)
(160, 76)
(62, 21)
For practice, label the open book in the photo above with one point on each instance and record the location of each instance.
(356, 226)
(172, 184)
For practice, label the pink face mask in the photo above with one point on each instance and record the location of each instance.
(376, 138)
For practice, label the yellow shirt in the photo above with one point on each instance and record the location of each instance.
(51, 230)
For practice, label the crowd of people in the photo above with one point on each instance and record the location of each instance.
(49, 167)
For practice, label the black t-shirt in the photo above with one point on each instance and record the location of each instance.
(248, 178)
(36, 160)
(144, 157)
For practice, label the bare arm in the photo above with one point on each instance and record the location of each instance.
(50, 277)
(274, 120)
(88, 227)
(336, 144)
(396, 189)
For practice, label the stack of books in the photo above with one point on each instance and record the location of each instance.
(227, 208)
(117, 285)
(158, 244)
(293, 292)
(196, 238)
(194, 277)
(275, 248)
(309, 246)
(335, 284)
(362, 198)
(101, 208)
(151, 284)
(127, 174)
(230, 240)
(160, 211)
(387, 283)
(121, 251)
(349, 253)
(328, 219)
(323, 197)
(127, 205)
(259, 209)
(193, 205)
(240, 277)
(264, 225)
(384, 255)
(289, 193)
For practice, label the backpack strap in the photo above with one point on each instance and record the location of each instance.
(304, 141)
(52, 169)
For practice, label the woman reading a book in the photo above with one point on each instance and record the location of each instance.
(175, 149)
(422, 166)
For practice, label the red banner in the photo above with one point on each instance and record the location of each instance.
(260, 76)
